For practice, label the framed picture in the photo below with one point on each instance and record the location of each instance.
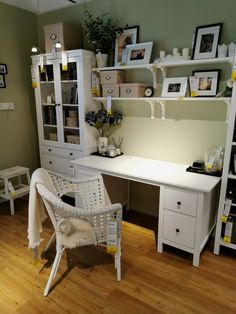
(206, 82)
(128, 37)
(3, 68)
(2, 81)
(174, 87)
(139, 53)
(233, 162)
(206, 41)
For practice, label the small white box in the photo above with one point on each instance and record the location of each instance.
(66, 34)
(132, 90)
(112, 77)
(112, 90)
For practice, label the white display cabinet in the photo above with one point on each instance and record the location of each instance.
(62, 99)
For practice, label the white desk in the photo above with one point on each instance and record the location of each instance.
(188, 201)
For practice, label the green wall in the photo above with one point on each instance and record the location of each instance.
(18, 133)
(189, 128)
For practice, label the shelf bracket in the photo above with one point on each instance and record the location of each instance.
(163, 108)
(152, 108)
(153, 70)
(163, 71)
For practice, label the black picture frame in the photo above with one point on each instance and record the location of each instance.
(3, 68)
(207, 82)
(131, 33)
(206, 41)
(2, 81)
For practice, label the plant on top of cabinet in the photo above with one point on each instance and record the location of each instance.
(102, 31)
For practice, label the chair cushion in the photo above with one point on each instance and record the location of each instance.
(75, 232)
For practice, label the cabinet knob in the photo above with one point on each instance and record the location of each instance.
(49, 150)
(71, 154)
(50, 162)
(178, 204)
(177, 230)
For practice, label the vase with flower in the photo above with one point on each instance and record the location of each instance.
(104, 122)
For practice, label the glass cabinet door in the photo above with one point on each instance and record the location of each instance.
(48, 105)
(70, 103)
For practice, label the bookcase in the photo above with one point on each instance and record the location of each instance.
(62, 96)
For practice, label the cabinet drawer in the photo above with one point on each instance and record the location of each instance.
(56, 151)
(180, 201)
(81, 173)
(57, 164)
(179, 228)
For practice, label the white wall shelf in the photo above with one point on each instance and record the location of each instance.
(162, 101)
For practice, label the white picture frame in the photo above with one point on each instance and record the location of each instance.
(139, 53)
(174, 87)
(207, 82)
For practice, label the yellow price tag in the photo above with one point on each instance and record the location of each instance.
(64, 67)
(193, 94)
(234, 75)
(224, 218)
(227, 239)
(111, 249)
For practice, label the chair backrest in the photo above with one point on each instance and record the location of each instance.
(89, 192)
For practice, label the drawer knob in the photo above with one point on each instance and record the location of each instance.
(50, 162)
(178, 204)
(177, 230)
(71, 154)
(49, 150)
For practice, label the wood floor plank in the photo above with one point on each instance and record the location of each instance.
(86, 279)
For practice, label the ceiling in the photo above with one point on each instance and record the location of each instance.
(42, 6)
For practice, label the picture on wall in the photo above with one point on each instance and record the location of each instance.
(174, 87)
(139, 53)
(3, 68)
(128, 37)
(2, 81)
(206, 41)
(206, 82)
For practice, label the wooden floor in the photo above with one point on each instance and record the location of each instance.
(86, 282)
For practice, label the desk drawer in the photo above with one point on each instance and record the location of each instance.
(181, 201)
(179, 228)
(61, 152)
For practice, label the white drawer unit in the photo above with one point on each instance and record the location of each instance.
(186, 219)
(61, 152)
(58, 164)
(182, 202)
(179, 228)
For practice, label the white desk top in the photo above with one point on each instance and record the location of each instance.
(150, 171)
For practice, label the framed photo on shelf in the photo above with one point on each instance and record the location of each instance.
(206, 40)
(139, 53)
(233, 162)
(3, 68)
(174, 87)
(206, 82)
(128, 37)
(2, 81)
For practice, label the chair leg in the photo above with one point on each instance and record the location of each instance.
(54, 269)
(118, 261)
(50, 242)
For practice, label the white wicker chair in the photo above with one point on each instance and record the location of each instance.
(90, 199)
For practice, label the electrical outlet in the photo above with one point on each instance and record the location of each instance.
(7, 106)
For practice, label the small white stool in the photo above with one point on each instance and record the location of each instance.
(10, 190)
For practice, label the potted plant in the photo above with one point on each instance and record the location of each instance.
(104, 122)
(102, 32)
